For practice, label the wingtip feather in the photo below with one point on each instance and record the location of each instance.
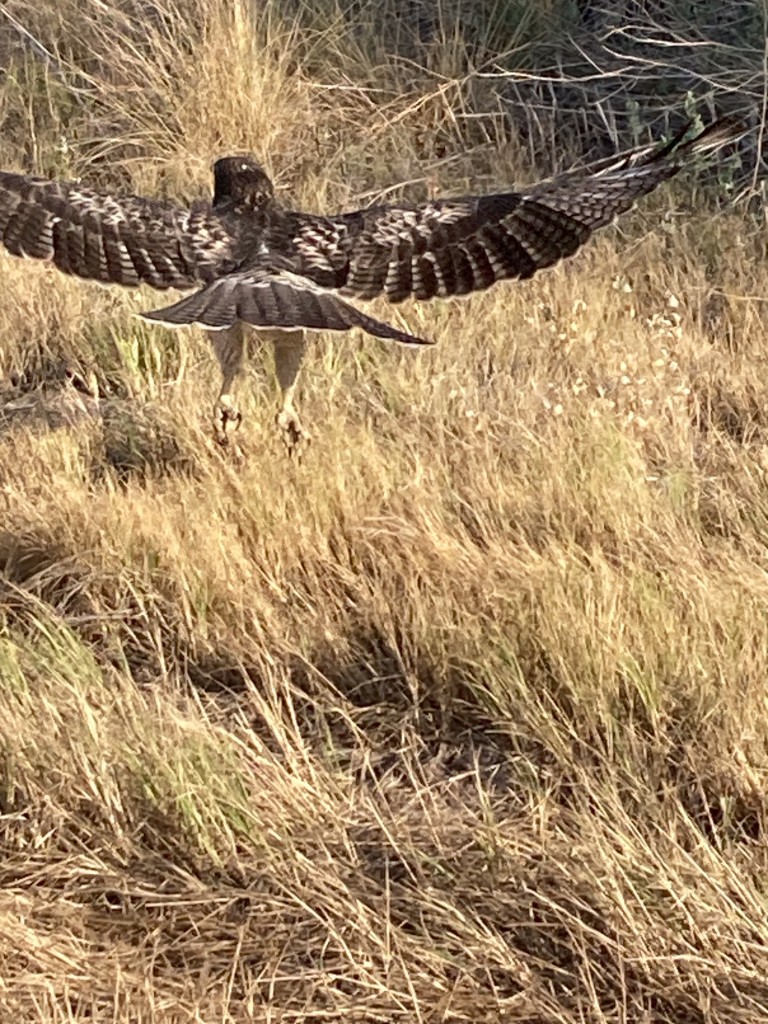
(719, 133)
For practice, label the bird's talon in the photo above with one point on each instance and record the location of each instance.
(295, 437)
(227, 422)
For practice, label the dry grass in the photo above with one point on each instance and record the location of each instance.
(463, 718)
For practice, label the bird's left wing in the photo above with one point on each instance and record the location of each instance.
(127, 240)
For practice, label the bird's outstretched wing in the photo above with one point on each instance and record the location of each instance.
(127, 240)
(456, 246)
(272, 299)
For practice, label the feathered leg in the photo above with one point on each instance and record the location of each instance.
(229, 346)
(289, 347)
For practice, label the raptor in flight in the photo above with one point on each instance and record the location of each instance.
(247, 260)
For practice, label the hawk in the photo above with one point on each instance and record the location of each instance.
(249, 260)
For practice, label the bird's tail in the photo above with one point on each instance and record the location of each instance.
(268, 300)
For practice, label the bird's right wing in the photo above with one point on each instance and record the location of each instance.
(456, 246)
(127, 240)
(271, 299)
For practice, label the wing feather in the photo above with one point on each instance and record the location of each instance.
(125, 240)
(456, 246)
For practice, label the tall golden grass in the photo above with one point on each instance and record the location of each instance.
(463, 717)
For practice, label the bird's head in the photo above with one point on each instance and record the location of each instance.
(241, 182)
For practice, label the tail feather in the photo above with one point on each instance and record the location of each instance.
(273, 300)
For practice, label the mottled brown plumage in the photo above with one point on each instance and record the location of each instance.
(248, 260)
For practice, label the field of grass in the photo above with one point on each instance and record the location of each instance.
(464, 716)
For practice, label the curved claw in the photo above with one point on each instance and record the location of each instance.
(226, 420)
(294, 435)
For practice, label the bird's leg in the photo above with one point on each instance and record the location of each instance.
(229, 346)
(290, 347)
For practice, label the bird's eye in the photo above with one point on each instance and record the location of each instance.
(243, 167)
